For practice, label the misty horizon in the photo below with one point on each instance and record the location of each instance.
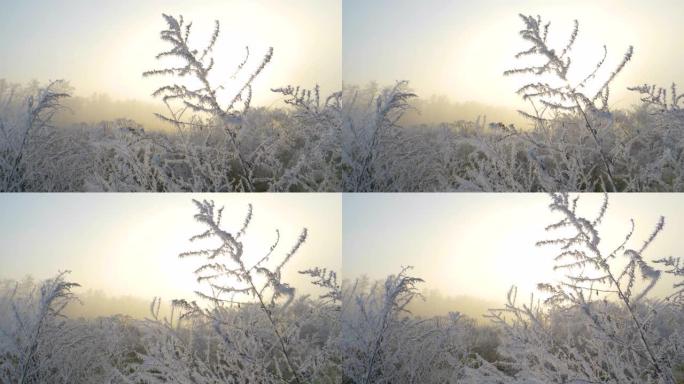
(94, 303)
(97, 108)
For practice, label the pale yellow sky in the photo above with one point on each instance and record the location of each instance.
(127, 244)
(475, 245)
(461, 48)
(480, 244)
(105, 46)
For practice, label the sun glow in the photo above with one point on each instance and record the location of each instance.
(479, 245)
(105, 48)
(128, 244)
(466, 46)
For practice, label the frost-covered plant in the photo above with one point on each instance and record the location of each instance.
(575, 144)
(31, 320)
(249, 157)
(326, 279)
(560, 95)
(675, 267)
(230, 278)
(382, 342)
(29, 149)
(654, 96)
(38, 344)
(205, 99)
(369, 122)
(379, 319)
(218, 142)
(179, 349)
(226, 271)
(254, 329)
(317, 134)
(596, 324)
(230, 146)
(646, 148)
